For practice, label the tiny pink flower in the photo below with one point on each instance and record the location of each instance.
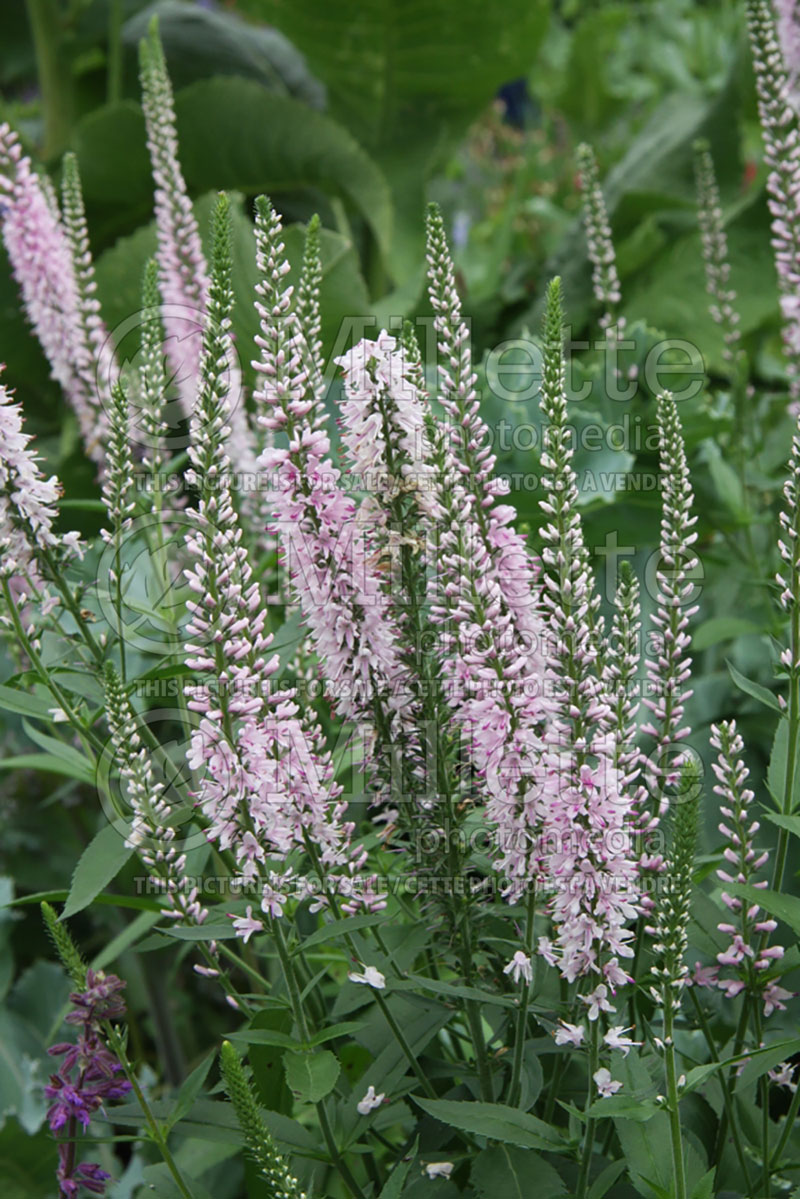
(370, 1101)
(519, 967)
(370, 978)
(606, 1085)
(247, 925)
(615, 1038)
(569, 1034)
(597, 1002)
(439, 1169)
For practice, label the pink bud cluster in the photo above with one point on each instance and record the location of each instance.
(669, 668)
(183, 273)
(748, 955)
(781, 136)
(600, 245)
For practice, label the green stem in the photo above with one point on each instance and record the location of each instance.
(54, 67)
(399, 1036)
(727, 1098)
(300, 1019)
(116, 1044)
(788, 1125)
(676, 1135)
(515, 1090)
(114, 91)
(588, 1137)
(87, 736)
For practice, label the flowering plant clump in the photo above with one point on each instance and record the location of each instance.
(421, 835)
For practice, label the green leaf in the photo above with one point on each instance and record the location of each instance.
(648, 1153)
(416, 982)
(190, 1089)
(496, 1121)
(83, 769)
(721, 628)
(160, 1181)
(12, 700)
(757, 1061)
(728, 485)
(776, 771)
(200, 42)
(506, 1172)
(784, 907)
(269, 1036)
(338, 928)
(606, 1178)
(132, 933)
(282, 145)
(640, 1110)
(311, 1076)
(201, 932)
(762, 694)
(704, 1187)
(393, 1188)
(46, 762)
(423, 71)
(790, 823)
(99, 863)
(27, 1163)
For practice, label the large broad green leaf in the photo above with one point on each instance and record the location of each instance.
(419, 70)
(199, 42)
(496, 1121)
(27, 1163)
(233, 134)
(407, 80)
(506, 1171)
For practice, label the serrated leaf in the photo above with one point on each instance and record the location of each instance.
(506, 1172)
(201, 932)
(338, 928)
(393, 1188)
(762, 694)
(776, 771)
(99, 863)
(83, 769)
(311, 1076)
(496, 1121)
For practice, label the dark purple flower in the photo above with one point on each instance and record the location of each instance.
(87, 1078)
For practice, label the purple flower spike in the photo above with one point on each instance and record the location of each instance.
(87, 1078)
